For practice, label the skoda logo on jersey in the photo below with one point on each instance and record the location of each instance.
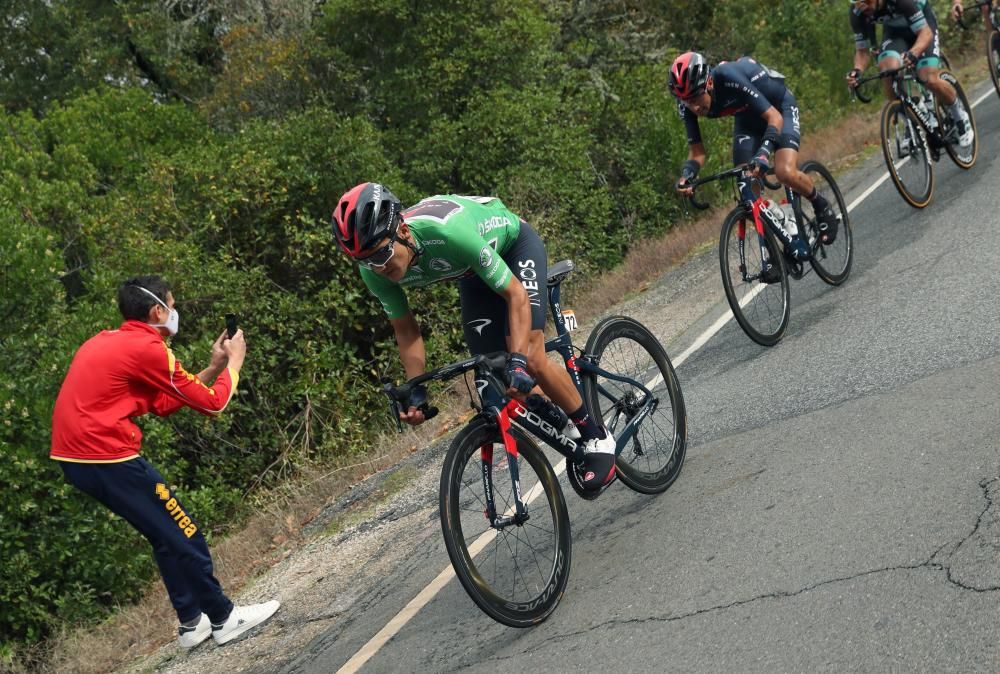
(486, 257)
(439, 264)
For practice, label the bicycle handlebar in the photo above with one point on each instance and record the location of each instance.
(722, 175)
(399, 396)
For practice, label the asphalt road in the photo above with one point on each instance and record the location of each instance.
(836, 510)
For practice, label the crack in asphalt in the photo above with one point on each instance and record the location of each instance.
(929, 563)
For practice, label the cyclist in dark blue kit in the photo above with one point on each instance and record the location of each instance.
(766, 125)
(910, 36)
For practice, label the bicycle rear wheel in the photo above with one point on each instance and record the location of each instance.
(904, 147)
(761, 309)
(653, 457)
(993, 57)
(516, 574)
(832, 262)
(963, 157)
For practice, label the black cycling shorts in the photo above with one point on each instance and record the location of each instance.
(484, 312)
(748, 131)
(895, 44)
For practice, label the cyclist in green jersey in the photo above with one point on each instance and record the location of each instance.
(500, 265)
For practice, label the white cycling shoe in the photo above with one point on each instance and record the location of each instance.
(965, 132)
(599, 461)
(242, 619)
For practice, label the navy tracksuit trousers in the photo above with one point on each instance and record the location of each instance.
(135, 490)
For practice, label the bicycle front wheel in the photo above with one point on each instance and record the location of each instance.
(832, 261)
(761, 305)
(515, 573)
(964, 157)
(904, 147)
(653, 457)
(993, 57)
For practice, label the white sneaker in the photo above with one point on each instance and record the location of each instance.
(192, 636)
(243, 618)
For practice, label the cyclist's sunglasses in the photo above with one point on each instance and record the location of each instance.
(380, 257)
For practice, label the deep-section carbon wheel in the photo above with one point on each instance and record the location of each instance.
(761, 305)
(515, 573)
(832, 262)
(652, 458)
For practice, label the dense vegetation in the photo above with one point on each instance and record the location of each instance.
(207, 140)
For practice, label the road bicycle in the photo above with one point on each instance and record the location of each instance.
(992, 39)
(914, 130)
(511, 554)
(757, 233)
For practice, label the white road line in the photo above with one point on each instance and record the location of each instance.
(424, 597)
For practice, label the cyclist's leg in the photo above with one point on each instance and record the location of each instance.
(528, 260)
(928, 70)
(748, 132)
(786, 170)
(890, 57)
(486, 325)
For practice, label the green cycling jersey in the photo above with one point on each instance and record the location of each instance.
(456, 236)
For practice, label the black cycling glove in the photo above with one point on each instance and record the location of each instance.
(762, 157)
(517, 373)
(418, 396)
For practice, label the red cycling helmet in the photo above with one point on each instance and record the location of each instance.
(688, 75)
(365, 215)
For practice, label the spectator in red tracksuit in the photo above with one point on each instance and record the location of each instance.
(119, 375)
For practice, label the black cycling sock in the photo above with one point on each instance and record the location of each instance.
(817, 200)
(585, 423)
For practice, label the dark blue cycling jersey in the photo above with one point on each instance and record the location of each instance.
(744, 88)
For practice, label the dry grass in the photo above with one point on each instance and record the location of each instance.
(275, 531)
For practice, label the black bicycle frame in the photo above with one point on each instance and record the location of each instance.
(498, 407)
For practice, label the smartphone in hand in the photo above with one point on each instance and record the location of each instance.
(230, 325)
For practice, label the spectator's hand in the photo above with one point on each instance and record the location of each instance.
(236, 350)
(219, 357)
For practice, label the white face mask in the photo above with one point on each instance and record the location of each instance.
(173, 318)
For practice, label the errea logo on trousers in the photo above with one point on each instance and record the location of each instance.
(174, 509)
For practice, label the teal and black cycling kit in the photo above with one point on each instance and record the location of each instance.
(745, 89)
(478, 242)
(901, 21)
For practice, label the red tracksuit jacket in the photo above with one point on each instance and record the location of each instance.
(118, 375)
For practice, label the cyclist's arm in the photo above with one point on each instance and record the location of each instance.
(925, 36)
(697, 152)
(862, 57)
(518, 314)
(772, 116)
(411, 344)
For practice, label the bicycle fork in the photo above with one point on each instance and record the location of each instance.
(520, 512)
